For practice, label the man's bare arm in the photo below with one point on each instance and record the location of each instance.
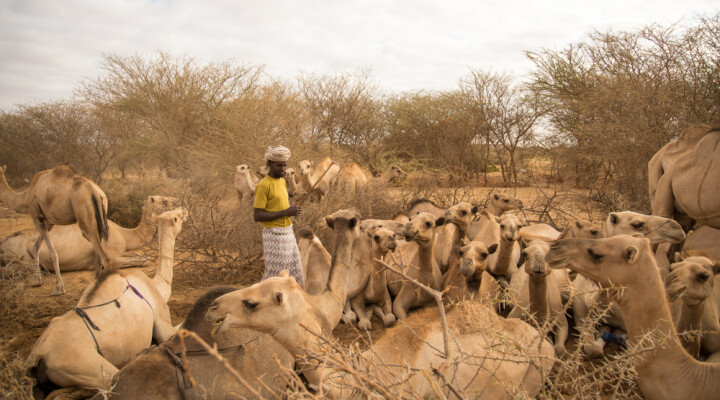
(260, 215)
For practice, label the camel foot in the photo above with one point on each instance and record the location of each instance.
(560, 351)
(365, 325)
(59, 289)
(389, 320)
(37, 281)
(594, 350)
(350, 317)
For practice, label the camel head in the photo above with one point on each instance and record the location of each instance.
(619, 260)
(657, 229)
(305, 167)
(421, 228)
(266, 306)
(503, 203)
(242, 169)
(395, 226)
(290, 174)
(509, 226)
(534, 255)
(396, 173)
(159, 204)
(383, 239)
(345, 225)
(691, 280)
(473, 257)
(582, 229)
(460, 214)
(171, 221)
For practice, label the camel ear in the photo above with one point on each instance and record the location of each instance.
(673, 287)
(330, 222)
(492, 248)
(353, 223)
(631, 254)
(678, 257)
(284, 273)
(278, 297)
(497, 219)
(440, 221)
(613, 218)
(577, 224)
(152, 199)
(496, 196)
(716, 268)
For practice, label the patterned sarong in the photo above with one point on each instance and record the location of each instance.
(281, 252)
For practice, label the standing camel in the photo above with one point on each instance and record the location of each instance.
(60, 196)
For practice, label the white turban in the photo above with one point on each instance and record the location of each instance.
(277, 153)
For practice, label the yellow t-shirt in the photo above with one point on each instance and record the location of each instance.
(271, 195)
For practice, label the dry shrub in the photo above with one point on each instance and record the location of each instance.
(15, 276)
(13, 383)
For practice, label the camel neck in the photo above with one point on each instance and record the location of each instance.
(427, 274)
(12, 199)
(164, 272)
(502, 266)
(141, 234)
(493, 210)
(538, 299)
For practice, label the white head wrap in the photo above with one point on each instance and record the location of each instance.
(277, 153)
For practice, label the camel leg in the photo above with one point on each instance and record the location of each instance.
(348, 315)
(358, 305)
(561, 334)
(70, 393)
(516, 312)
(130, 261)
(81, 376)
(587, 337)
(37, 281)
(663, 204)
(45, 236)
(404, 301)
(389, 318)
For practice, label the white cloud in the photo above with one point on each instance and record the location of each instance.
(48, 47)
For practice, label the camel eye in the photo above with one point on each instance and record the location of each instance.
(463, 213)
(594, 255)
(428, 224)
(376, 237)
(483, 255)
(175, 220)
(593, 232)
(506, 200)
(637, 225)
(703, 277)
(502, 226)
(250, 305)
(460, 253)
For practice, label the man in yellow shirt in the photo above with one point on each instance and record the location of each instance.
(273, 211)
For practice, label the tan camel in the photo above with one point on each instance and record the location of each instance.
(689, 186)
(375, 291)
(116, 317)
(501, 370)
(589, 296)
(352, 178)
(451, 235)
(75, 253)
(60, 196)
(245, 183)
(502, 264)
(462, 281)
(292, 185)
(422, 230)
(497, 205)
(158, 374)
(666, 371)
(704, 239)
(689, 285)
(418, 206)
(537, 289)
(311, 174)
(578, 230)
(316, 261)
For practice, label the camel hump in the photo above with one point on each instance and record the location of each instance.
(306, 233)
(102, 277)
(421, 201)
(196, 315)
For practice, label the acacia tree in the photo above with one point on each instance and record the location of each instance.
(621, 96)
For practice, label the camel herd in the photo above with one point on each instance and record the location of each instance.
(507, 291)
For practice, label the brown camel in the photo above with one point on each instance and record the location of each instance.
(497, 205)
(452, 235)
(310, 175)
(352, 178)
(116, 318)
(158, 373)
(245, 183)
(292, 185)
(537, 291)
(689, 286)
(502, 264)
(666, 371)
(316, 261)
(492, 358)
(462, 281)
(75, 253)
(578, 230)
(689, 186)
(60, 196)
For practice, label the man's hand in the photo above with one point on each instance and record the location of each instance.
(294, 211)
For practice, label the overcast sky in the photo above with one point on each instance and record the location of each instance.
(48, 47)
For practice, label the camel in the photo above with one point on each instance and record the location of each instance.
(292, 184)
(511, 358)
(537, 292)
(310, 175)
(75, 253)
(60, 196)
(245, 183)
(689, 285)
(502, 264)
(579, 229)
(589, 296)
(666, 371)
(452, 234)
(422, 230)
(376, 289)
(117, 317)
(418, 206)
(158, 373)
(462, 281)
(352, 178)
(316, 261)
(689, 186)
(497, 205)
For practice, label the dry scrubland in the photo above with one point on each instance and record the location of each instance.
(220, 245)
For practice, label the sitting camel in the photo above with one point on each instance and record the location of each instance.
(689, 187)
(689, 285)
(116, 317)
(580, 229)
(75, 253)
(158, 374)
(462, 281)
(245, 183)
(537, 290)
(589, 296)
(315, 261)
(319, 176)
(60, 196)
(376, 289)
(490, 357)
(497, 205)
(665, 371)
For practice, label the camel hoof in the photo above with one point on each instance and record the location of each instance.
(593, 350)
(365, 325)
(58, 292)
(389, 320)
(350, 317)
